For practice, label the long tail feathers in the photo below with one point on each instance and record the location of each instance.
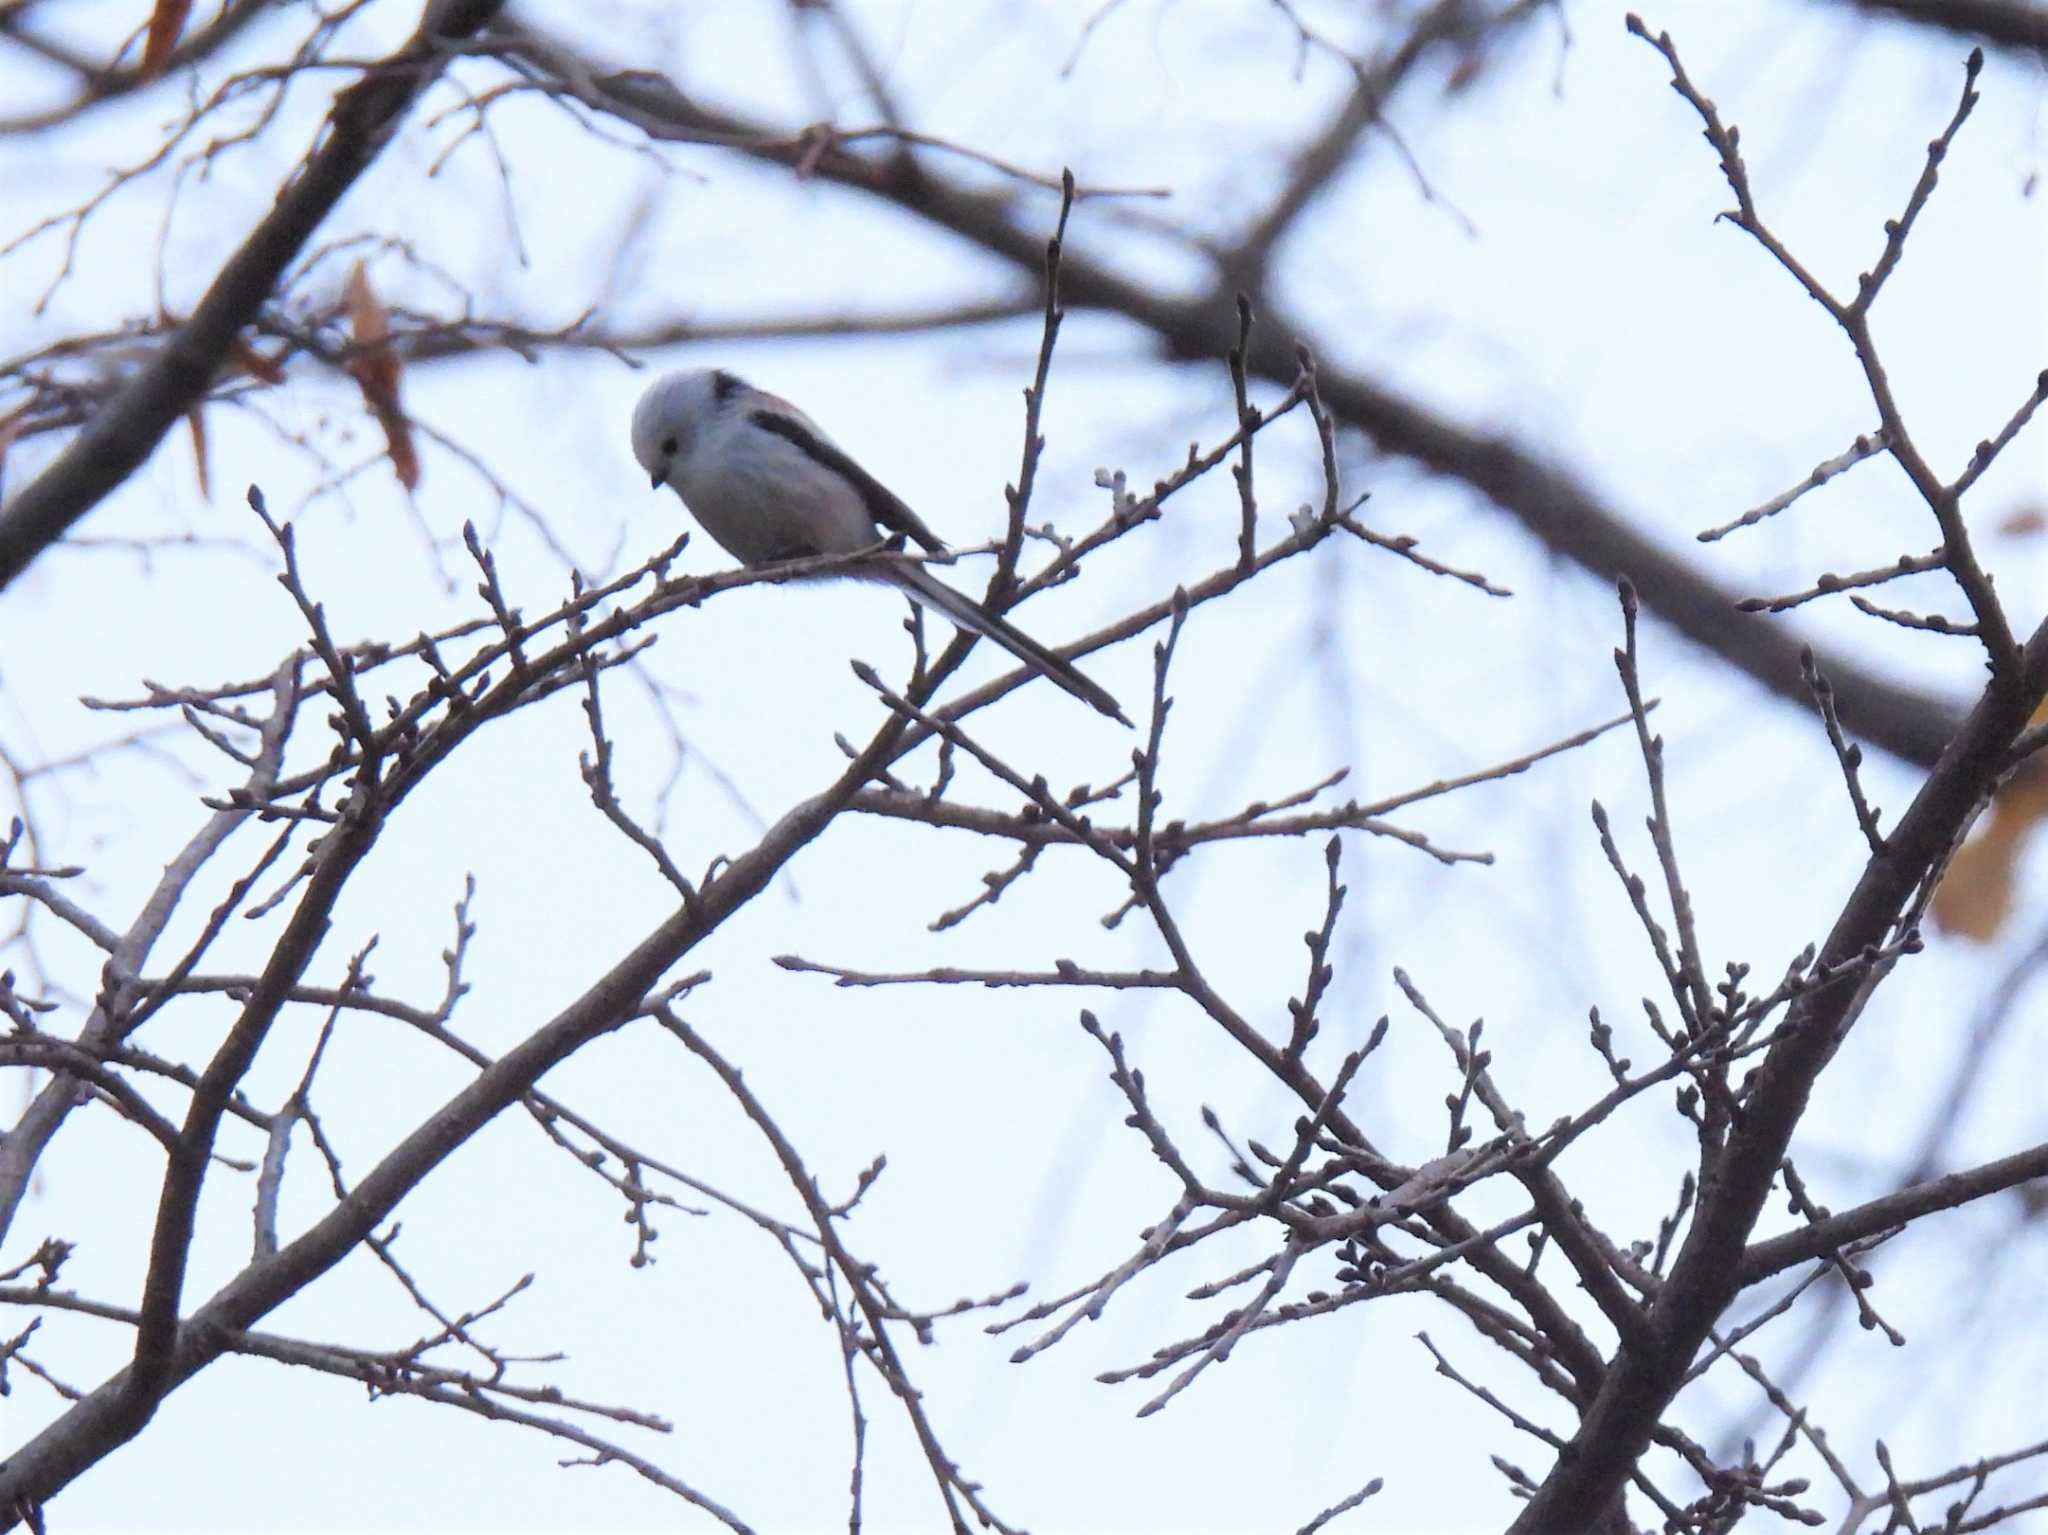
(970, 615)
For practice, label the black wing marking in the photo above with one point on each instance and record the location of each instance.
(725, 385)
(882, 503)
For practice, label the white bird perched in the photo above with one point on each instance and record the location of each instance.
(769, 486)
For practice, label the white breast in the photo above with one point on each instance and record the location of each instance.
(769, 500)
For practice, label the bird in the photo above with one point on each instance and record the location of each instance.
(765, 482)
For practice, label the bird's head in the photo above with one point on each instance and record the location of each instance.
(673, 415)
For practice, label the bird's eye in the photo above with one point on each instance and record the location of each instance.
(668, 447)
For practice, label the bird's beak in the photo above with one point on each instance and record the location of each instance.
(657, 479)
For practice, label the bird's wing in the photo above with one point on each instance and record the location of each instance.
(882, 504)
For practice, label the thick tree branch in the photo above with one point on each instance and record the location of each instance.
(97, 85)
(2017, 24)
(1550, 502)
(101, 1422)
(1824, 1236)
(116, 442)
(170, 1350)
(1710, 1266)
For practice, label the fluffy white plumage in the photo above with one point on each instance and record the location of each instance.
(768, 485)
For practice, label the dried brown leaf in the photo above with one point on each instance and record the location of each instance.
(2024, 521)
(195, 418)
(10, 428)
(1974, 898)
(166, 26)
(244, 358)
(374, 364)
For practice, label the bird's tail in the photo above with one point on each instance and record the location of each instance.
(970, 615)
